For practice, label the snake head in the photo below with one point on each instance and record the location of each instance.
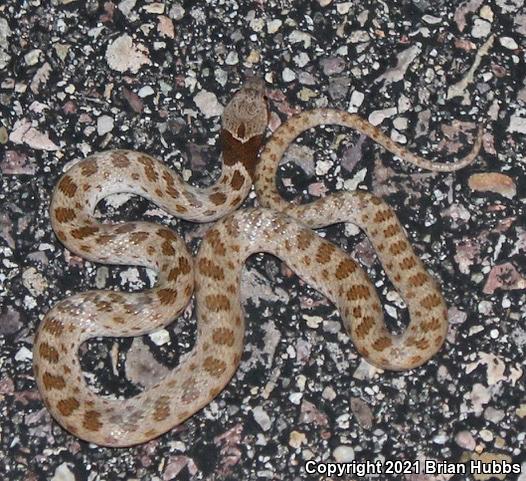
(246, 115)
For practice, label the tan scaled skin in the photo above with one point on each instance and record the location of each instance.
(209, 366)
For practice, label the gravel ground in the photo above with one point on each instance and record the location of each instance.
(80, 77)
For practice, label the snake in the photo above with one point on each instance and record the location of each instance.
(213, 276)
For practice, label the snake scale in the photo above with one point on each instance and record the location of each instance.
(278, 227)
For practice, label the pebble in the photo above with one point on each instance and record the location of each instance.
(509, 43)
(486, 435)
(378, 116)
(343, 454)
(63, 473)
(363, 412)
(104, 124)
(400, 123)
(10, 321)
(518, 121)
(465, 440)
(494, 415)
(301, 59)
(493, 182)
(306, 94)
(297, 36)
(359, 36)
(323, 166)
(486, 13)
(176, 12)
(441, 438)
(23, 132)
(305, 78)
(24, 354)
(431, 20)
(356, 101)
(32, 57)
(34, 281)
(253, 57)
(295, 397)
(288, 75)
(4, 58)
(479, 396)
(262, 418)
(4, 136)
(296, 439)
(481, 28)
(5, 32)
(126, 6)
(332, 65)
(156, 8)
(145, 91)
(257, 24)
(330, 394)
(160, 337)
(165, 28)
(123, 55)
(208, 104)
(343, 8)
(274, 25)
(232, 58)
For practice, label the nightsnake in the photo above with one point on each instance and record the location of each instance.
(278, 227)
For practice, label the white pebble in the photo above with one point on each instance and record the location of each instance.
(509, 43)
(328, 393)
(343, 8)
(343, 454)
(517, 122)
(301, 59)
(377, 116)
(104, 124)
(24, 354)
(288, 75)
(160, 337)
(359, 36)
(208, 104)
(295, 397)
(157, 8)
(274, 25)
(481, 28)
(298, 36)
(400, 123)
(257, 24)
(323, 166)
(32, 57)
(431, 20)
(398, 137)
(145, 91)
(486, 13)
(356, 101)
(232, 58)
(486, 435)
(262, 418)
(126, 6)
(63, 473)
(122, 55)
(441, 438)
(465, 440)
